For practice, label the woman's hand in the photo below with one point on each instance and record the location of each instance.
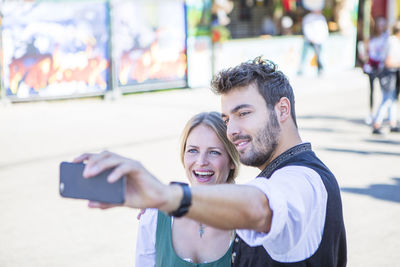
(141, 212)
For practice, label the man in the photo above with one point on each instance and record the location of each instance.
(290, 215)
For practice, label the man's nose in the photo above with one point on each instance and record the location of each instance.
(232, 129)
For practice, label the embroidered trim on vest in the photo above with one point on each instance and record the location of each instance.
(288, 154)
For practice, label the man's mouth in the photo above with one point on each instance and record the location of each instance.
(203, 176)
(241, 142)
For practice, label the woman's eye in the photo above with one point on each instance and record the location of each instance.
(213, 152)
(192, 150)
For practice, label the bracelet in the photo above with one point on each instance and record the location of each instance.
(185, 202)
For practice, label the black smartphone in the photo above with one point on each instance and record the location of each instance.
(73, 185)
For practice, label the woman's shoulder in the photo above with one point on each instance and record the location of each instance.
(149, 216)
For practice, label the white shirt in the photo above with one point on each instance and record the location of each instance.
(146, 239)
(298, 199)
(376, 47)
(315, 28)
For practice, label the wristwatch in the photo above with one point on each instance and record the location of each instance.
(185, 202)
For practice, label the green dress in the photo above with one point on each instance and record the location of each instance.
(165, 254)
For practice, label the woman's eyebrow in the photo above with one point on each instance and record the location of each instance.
(215, 147)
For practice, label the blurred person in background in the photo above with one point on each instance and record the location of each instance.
(388, 82)
(316, 32)
(219, 12)
(208, 158)
(268, 26)
(286, 25)
(372, 55)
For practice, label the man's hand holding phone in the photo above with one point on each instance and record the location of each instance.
(74, 185)
(142, 189)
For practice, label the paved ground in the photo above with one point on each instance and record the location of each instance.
(38, 228)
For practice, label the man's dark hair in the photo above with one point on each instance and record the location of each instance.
(271, 83)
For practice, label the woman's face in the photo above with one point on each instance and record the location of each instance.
(205, 160)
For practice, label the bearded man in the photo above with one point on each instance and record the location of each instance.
(289, 215)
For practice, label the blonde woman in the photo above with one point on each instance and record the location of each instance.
(208, 158)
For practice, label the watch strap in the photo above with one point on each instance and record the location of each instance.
(185, 202)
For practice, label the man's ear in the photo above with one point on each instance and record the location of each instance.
(283, 109)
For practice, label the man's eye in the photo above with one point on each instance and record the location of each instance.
(243, 113)
(226, 121)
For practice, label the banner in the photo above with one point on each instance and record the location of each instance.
(54, 49)
(149, 43)
(198, 17)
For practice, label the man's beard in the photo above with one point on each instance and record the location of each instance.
(264, 144)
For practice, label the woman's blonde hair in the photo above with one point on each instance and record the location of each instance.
(214, 121)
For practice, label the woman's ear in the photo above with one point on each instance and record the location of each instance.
(232, 166)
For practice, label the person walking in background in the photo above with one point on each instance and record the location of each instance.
(208, 158)
(388, 82)
(372, 54)
(315, 31)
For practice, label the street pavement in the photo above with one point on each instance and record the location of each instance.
(39, 228)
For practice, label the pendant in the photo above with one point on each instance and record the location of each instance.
(201, 230)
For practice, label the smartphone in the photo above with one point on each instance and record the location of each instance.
(73, 185)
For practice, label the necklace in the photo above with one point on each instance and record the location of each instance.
(201, 229)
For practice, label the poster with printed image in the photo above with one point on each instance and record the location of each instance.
(199, 46)
(198, 17)
(149, 44)
(55, 49)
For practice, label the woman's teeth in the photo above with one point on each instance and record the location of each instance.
(203, 173)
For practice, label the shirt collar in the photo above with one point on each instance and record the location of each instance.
(285, 156)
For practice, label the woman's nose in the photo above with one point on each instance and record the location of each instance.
(202, 159)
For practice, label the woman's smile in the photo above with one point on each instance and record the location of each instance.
(203, 176)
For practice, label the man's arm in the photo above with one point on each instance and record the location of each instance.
(224, 206)
(228, 206)
(390, 61)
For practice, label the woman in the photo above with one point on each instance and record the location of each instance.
(208, 158)
(374, 58)
(388, 82)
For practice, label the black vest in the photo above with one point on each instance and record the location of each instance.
(332, 251)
